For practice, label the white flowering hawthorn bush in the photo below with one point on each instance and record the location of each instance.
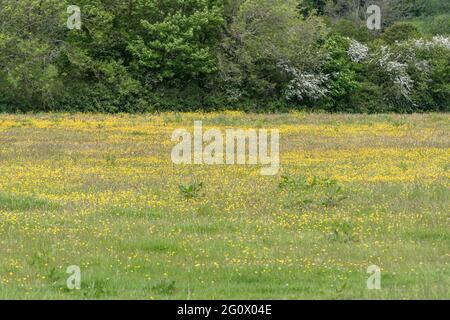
(405, 76)
(357, 51)
(304, 85)
(412, 74)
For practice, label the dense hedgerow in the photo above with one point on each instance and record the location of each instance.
(253, 55)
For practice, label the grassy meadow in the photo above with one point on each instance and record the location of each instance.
(101, 192)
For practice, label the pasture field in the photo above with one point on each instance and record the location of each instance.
(101, 192)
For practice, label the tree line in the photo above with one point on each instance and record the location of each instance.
(252, 55)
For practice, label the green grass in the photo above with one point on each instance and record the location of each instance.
(17, 203)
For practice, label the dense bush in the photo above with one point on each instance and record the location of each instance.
(400, 31)
(440, 25)
(254, 55)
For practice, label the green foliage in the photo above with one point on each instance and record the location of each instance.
(348, 28)
(400, 10)
(433, 88)
(191, 190)
(308, 7)
(435, 7)
(304, 194)
(260, 36)
(400, 31)
(343, 71)
(164, 287)
(368, 98)
(440, 25)
(28, 52)
(342, 232)
(153, 55)
(177, 40)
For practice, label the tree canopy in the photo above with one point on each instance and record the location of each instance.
(259, 55)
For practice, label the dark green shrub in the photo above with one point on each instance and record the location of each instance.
(343, 79)
(368, 98)
(440, 25)
(348, 28)
(400, 31)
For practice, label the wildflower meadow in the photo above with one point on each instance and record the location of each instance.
(101, 193)
(208, 151)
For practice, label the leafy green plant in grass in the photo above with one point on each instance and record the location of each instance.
(111, 160)
(288, 182)
(164, 287)
(299, 191)
(333, 194)
(53, 276)
(98, 289)
(41, 259)
(191, 190)
(403, 166)
(340, 286)
(342, 232)
(305, 194)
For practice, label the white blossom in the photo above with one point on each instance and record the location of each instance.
(397, 71)
(423, 66)
(436, 41)
(405, 85)
(357, 51)
(304, 85)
